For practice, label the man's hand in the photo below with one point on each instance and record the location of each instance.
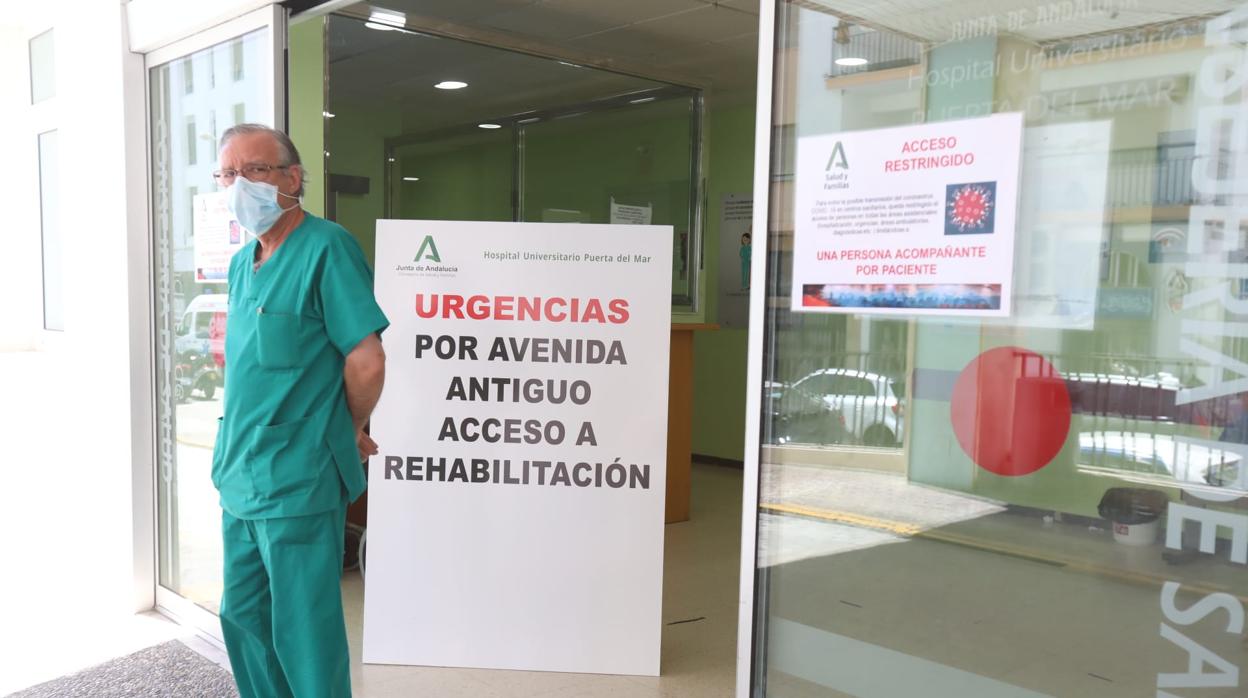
(365, 444)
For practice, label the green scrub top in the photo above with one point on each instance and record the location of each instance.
(286, 445)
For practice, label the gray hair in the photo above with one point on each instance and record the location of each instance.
(287, 151)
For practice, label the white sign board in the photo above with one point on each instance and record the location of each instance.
(217, 236)
(515, 516)
(916, 220)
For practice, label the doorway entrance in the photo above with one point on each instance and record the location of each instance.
(423, 126)
(539, 128)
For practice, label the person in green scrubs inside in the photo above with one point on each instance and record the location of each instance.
(304, 368)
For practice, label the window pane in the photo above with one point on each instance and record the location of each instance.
(188, 77)
(191, 138)
(237, 59)
(49, 206)
(42, 67)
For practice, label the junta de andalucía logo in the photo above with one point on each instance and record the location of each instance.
(428, 251)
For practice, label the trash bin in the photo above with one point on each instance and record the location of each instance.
(1134, 512)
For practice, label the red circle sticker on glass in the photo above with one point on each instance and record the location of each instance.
(1010, 411)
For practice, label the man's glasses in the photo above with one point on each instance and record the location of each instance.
(250, 172)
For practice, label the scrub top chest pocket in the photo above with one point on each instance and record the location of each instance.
(277, 338)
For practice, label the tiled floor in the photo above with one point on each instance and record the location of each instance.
(698, 660)
(976, 594)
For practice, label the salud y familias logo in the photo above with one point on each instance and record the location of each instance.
(428, 251)
(837, 158)
(839, 162)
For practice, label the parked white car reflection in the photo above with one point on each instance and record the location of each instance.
(870, 402)
(1153, 397)
(1161, 460)
(797, 417)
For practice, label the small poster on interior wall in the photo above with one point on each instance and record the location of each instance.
(917, 220)
(623, 214)
(217, 236)
(736, 245)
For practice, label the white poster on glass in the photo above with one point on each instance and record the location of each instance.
(516, 506)
(217, 236)
(915, 220)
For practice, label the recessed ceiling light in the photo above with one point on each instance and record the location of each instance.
(389, 159)
(851, 62)
(451, 85)
(643, 100)
(327, 115)
(488, 126)
(411, 179)
(383, 20)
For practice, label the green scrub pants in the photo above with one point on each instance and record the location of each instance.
(281, 609)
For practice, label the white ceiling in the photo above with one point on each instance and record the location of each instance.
(396, 72)
(708, 40)
(711, 41)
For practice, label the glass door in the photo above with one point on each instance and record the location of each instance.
(197, 89)
(1066, 513)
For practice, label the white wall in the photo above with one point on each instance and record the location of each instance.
(20, 265)
(156, 23)
(72, 414)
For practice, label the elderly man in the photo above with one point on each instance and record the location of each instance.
(303, 370)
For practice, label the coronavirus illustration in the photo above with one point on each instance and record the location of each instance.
(970, 208)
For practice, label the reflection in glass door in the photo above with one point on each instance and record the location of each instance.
(226, 79)
(1068, 510)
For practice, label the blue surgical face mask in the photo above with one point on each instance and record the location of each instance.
(254, 204)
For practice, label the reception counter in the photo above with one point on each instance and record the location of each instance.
(680, 421)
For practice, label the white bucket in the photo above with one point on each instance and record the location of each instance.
(1137, 534)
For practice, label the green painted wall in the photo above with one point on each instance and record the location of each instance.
(307, 95)
(569, 165)
(467, 178)
(719, 361)
(638, 156)
(971, 92)
(356, 145)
